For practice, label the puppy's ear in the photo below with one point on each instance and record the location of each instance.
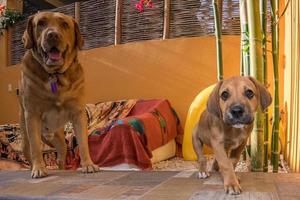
(265, 96)
(213, 105)
(27, 38)
(78, 38)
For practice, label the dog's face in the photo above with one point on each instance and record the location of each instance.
(54, 39)
(236, 100)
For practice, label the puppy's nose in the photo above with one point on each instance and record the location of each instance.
(52, 35)
(237, 111)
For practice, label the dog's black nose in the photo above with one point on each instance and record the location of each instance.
(237, 111)
(52, 35)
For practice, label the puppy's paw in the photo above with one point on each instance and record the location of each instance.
(39, 172)
(91, 168)
(203, 175)
(233, 189)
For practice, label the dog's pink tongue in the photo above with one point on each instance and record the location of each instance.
(54, 55)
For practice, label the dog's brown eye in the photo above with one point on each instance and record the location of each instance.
(224, 95)
(65, 25)
(42, 23)
(249, 94)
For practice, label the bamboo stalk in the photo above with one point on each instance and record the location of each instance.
(243, 22)
(218, 40)
(242, 67)
(263, 18)
(275, 48)
(244, 37)
(255, 39)
(220, 11)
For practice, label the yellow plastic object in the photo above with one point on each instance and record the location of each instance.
(194, 113)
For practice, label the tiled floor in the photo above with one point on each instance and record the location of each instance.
(148, 185)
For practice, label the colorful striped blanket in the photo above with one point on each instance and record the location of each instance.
(119, 132)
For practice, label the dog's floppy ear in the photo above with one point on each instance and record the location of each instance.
(213, 105)
(27, 38)
(78, 37)
(265, 96)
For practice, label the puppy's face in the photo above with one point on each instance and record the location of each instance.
(54, 39)
(236, 100)
(239, 100)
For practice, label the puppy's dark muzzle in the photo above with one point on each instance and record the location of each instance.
(237, 111)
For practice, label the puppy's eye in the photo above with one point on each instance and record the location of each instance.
(42, 23)
(224, 95)
(249, 94)
(65, 25)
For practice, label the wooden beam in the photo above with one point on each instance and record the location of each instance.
(166, 33)
(14, 4)
(77, 12)
(55, 3)
(4, 51)
(8, 46)
(118, 28)
(41, 4)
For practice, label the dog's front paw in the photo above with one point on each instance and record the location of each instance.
(232, 188)
(39, 172)
(90, 168)
(203, 175)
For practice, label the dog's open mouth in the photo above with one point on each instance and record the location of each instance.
(54, 54)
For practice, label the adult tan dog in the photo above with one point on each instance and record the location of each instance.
(52, 90)
(226, 124)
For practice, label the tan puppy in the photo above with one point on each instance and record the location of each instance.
(52, 90)
(226, 124)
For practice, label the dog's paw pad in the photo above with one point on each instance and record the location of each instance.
(39, 172)
(203, 175)
(90, 168)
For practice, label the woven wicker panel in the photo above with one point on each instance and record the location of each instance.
(191, 18)
(231, 18)
(145, 25)
(67, 9)
(97, 22)
(17, 47)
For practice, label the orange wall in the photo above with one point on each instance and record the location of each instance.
(173, 69)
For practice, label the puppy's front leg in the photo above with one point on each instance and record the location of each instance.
(198, 148)
(231, 184)
(235, 154)
(79, 124)
(33, 129)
